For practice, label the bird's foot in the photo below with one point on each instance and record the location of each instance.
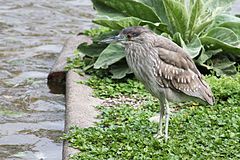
(166, 137)
(158, 135)
(161, 136)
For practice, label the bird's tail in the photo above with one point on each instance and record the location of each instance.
(207, 93)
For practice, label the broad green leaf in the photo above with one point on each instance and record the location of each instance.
(224, 38)
(118, 23)
(105, 11)
(98, 38)
(182, 1)
(225, 18)
(158, 6)
(234, 26)
(196, 11)
(166, 35)
(177, 16)
(202, 27)
(206, 27)
(228, 21)
(96, 32)
(120, 70)
(215, 5)
(190, 4)
(206, 55)
(212, 13)
(193, 48)
(110, 55)
(177, 38)
(224, 35)
(223, 66)
(216, 43)
(92, 50)
(156, 27)
(132, 8)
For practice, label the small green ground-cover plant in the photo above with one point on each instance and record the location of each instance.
(197, 132)
(210, 36)
(203, 28)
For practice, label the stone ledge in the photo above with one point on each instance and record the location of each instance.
(80, 104)
(57, 76)
(80, 110)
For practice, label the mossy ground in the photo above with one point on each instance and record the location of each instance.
(196, 132)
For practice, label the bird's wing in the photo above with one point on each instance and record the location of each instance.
(176, 70)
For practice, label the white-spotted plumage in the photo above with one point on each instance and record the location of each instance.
(164, 68)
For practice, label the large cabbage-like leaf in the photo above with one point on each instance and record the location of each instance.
(118, 23)
(104, 10)
(129, 8)
(206, 55)
(234, 26)
(216, 5)
(196, 25)
(92, 50)
(193, 48)
(123, 22)
(158, 6)
(120, 70)
(177, 15)
(223, 34)
(110, 55)
(228, 21)
(224, 38)
(196, 10)
(156, 27)
(223, 66)
(225, 18)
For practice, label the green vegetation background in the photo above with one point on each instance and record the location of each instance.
(196, 132)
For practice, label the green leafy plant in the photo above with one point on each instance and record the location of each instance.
(203, 28)
(125, 132)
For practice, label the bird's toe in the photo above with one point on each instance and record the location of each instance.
(158, 135)
(166, 138)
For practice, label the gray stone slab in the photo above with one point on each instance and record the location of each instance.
(80, 107)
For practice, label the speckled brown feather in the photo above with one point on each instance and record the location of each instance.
(175, 69)
(164, 67)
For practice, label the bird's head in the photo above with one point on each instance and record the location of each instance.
(130, 34)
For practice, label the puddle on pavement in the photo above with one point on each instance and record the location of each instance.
(32, 34)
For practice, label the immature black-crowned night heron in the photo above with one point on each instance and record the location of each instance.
(165, 69)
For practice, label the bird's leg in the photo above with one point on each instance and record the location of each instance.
(167, 112)
(160, 133)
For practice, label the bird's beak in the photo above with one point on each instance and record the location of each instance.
(117, 38)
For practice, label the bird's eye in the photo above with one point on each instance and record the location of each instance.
(134, 34)
(129, 36)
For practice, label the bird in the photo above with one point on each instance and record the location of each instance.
(165, 69)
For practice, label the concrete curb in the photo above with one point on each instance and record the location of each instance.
(57, 76)
(80, 104)
(80, 110)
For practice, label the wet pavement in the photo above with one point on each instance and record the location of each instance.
(32, 34)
